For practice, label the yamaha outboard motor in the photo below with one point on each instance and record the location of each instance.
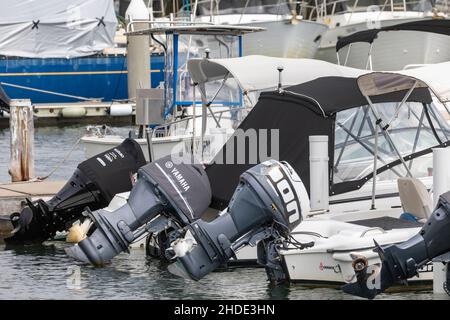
(93, 184)
(265, 206)
(402, 261)
(169, 190)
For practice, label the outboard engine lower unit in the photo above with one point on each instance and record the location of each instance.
(171, 187)
(402, 261)
(93, 184)
(267, 204)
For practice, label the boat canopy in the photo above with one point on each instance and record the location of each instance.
(433, 76)
(439, 26)
(55, 28)
(409, 124)
(257, 73)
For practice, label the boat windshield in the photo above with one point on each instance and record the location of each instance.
(414, 127)
(219, 7)
(197, 46)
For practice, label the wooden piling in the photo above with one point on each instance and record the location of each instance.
(22, 140)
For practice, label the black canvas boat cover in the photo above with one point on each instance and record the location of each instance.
(439, 26)
(299, 112)
(112, 170)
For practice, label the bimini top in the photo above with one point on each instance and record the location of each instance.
(202, 29)
(257, 73)
(440, 26)
(303, 110)
(55, 28)
(433, 76)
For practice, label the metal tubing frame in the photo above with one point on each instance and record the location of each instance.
(374, 178)
(407, 95)
(387, 135)
(348, 54)
(369, 58)
(175, 74)
(355, 116)
(416, 138)
(438, 122)
(368, 149)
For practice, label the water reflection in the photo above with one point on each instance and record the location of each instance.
(42, 272)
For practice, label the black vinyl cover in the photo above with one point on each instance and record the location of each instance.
(184, 183)
(334, 94)
(111, 170)
(295, 123)
(439, 26)
(299, 112)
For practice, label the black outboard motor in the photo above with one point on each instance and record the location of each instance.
(93, 184)
(4, 100)
(402, 261)
(265, 206)
(169, 190)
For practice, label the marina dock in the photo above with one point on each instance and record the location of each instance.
(13, 195)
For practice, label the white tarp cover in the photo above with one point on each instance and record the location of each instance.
(434, 76)
(257, 73)
(56, 28)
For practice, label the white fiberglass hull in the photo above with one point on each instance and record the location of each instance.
(391, 50)
(94, 145)
(330, 262)
(282, 38)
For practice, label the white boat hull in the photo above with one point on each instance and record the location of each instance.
(94, 145)
(391, 50)
(329, 261)
(284, 39)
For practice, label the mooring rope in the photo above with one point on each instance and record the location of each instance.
(60, 163)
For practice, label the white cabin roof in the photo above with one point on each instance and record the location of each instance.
(256, 73)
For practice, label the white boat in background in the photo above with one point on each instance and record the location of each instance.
(393, 51)
(287, 35)
(187, 117)
(245, 77)
(415, 53)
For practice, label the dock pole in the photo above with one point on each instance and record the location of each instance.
(138, 49)
(21, 166)
(319, 173)
(441, 173)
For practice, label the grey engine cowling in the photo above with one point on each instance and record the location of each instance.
(266, 205)
(172, 186)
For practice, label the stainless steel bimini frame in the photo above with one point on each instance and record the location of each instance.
(381, 126)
